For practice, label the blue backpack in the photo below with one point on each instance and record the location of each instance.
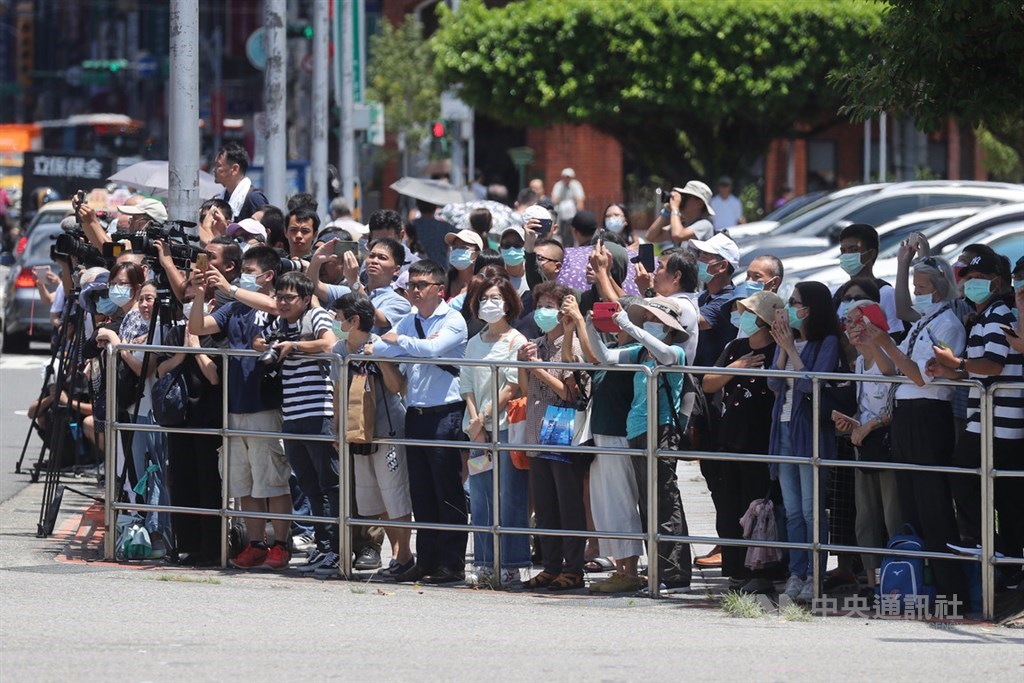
(904, 576)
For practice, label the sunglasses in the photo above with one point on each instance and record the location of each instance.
(420, 285)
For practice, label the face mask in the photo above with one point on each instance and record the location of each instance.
(186, 310)
(977, 290)
(104, 306)
(795, 321)
(460, 259)
(341, 334)
(513, 256)
(546, 319)
(748, 323)
(656, 330)
(734, 319)
(753, 287)
(702, 273)
(247, 282)
(1018, 285)
(492, 311)
(922, 303)
(850, 263)
(844, 308)
(615, 224)
(120, 294)
(244, 246)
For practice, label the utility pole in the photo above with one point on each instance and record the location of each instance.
(183, 156)
(318, 148)
(346, 162)
(274, 110)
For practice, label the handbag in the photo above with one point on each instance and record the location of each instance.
(839, 395)
(170, 399)
(516, 411)
(582, 433)
(362, 411)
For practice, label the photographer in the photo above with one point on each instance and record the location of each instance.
(214, 217)
(307, 405)
(259, 471)
(141, 212)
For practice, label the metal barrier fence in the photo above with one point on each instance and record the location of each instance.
(651, 453)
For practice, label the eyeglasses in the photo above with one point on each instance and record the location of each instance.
(286, 298)
(420, 285)
(545, 259)
(485, 299)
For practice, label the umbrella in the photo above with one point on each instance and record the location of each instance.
(502, 216)
(574, 270)
(150, 177)
(433, 192)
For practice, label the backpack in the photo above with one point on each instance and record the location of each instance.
(904, 577)
(170, 399)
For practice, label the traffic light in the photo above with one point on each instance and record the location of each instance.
(439, 130)
(26, 49)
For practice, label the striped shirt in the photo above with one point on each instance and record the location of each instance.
(988, 341)
(307, 390)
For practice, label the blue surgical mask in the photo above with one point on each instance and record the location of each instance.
(615, 224)
(977, 290)
(1018, 285)
(656, 330)
(753, 287)
(922, 303)
(851, 263)
(702, 273)
(104, 306)
(546, 319)
(513, 256)
(795, 321)
(120, 294)
(460, 259)
(748, 324)
(734, 319)
(341, 334)
(247, 281)
(844, 308)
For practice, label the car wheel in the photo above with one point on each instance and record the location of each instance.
(16, 342)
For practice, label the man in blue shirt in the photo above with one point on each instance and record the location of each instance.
(434, 412)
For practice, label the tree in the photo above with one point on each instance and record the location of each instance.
(685, 85)
(402, 77)
(960, 58)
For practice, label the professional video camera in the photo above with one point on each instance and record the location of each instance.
(171, 233)
(73, 244)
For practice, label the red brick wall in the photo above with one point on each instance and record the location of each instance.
(595, 156)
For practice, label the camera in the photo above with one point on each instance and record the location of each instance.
(74, 245)
(143, 242)
(289, 265)
(271, 358)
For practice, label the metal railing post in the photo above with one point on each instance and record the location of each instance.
(344, 472)
(226, 476)
(988, 579)
(653, 578)
(816, 484)
(110, 459)
(495, 476)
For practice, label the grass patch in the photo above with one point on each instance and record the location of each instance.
(358, 591)
(795, 612)
(182, 578)
(741, 605)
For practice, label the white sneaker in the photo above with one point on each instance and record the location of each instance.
(303, 543)
(478, 576)
(807, 592)
(329, 567)
(510, 577)
(794, 586)
(314, 560)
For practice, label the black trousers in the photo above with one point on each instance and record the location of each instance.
(557, 490)
(194, 481)
(435, 486)
(1008, 493)
(741, 484)
(922, 433)
(674, 559)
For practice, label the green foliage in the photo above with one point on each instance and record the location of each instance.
(961, 58)
(1003, 162)
(401, 76)
(713, 78)
(741, 605)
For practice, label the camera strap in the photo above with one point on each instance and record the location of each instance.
(450, 369)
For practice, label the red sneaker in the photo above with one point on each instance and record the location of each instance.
(277, 557)
(251, 557)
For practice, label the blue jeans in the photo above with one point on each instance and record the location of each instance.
(316, 468)
(515, 489)
(797, 483)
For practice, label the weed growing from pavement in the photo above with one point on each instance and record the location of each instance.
(181, 578)
(740, 605)
(794, 612)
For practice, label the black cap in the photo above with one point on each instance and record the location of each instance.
(585, 223)
(986, 264)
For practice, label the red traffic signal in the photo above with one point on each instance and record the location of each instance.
(439, 130)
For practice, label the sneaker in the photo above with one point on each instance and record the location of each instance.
(253, 556)
(617, 583)
(367, 559)
(303, 543)
(793, 586)
(838, 581)
(395, 569)
(511, 577)
(806, 593)
(479, 576)
(277, 557)
(758, 587)
(328, 567)
(663, 589)
(312, 561)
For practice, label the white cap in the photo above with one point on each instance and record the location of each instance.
(538, 212)
(568, 172)
(248, 225)
(720, 245)
(354, 228)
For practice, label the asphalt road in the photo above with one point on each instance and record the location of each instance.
(20, 381)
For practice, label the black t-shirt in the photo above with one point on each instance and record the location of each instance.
(747, 403)
(205, 398)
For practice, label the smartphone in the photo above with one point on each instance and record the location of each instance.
(836, 413)
(935, 340)
(603, 312)
(1009, 330)
(645, 256)
(342, 246)
(202, 262)
(545, 225)
(875, 315)
(40, 271)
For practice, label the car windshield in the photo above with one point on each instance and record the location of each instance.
(38, 248)
(799, 220)
(795, 207)
(892, 249)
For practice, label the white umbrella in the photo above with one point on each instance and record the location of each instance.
(151, 177)
(428, 190)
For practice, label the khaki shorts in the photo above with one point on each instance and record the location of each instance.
(259, 467)
(382, 483)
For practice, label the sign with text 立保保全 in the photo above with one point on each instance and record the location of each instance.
(65, 172)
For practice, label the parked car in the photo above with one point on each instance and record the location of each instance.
(820, 206)
(25, 316)
(877, 208)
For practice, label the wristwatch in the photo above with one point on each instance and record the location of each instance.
(962, 367)
(677, 213)
(233, 290)
(650, 293)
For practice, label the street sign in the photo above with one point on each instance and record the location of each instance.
(255, 49)
(73, 75)
(147, 66)
(375, 133)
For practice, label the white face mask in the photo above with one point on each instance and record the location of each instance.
(922, 303)
(491, 311)
(656, 330)
(615, 223)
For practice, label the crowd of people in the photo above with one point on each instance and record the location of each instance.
(278, 281)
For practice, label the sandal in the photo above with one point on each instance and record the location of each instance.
(566, 581)
(598, 564)
(542, 580)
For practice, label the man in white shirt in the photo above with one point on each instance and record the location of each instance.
(229, 170)
(728, 208)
